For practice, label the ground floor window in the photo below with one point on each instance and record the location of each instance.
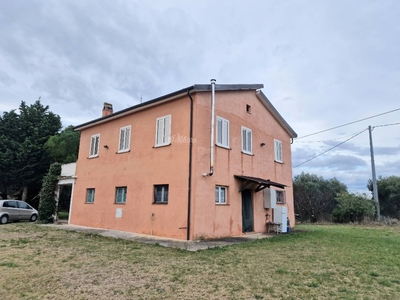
(161, 193)
(280, 197)
(89, 195)
(120, 194)
(220, 194)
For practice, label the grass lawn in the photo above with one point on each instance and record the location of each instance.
(318, 262)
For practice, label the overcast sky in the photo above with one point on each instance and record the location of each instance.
(322, 63)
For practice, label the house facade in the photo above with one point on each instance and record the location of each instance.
(206, 161)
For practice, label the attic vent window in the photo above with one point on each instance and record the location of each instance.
(248, 109)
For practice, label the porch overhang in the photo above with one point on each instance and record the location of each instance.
(257, 184)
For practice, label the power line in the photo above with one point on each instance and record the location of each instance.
(374, 116)
(386, 125)
(330, 149)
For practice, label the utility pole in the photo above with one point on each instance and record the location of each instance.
(374, 184)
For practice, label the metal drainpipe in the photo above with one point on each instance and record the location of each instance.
(190, 166)
(212, 129)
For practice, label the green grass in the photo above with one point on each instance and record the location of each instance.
(318, 262)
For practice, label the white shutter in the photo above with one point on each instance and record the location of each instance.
(124, 139)
(244, 139)
(219, 132)
(249, 138)
(278, 150)
(163, 131)
(121, 139)
(127, 138)
(167, 130)
(94, 145)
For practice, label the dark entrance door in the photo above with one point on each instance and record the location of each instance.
(247, 211)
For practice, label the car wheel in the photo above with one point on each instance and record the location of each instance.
(4, 219)
(33, 218)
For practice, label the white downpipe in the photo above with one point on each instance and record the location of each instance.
(212, 129)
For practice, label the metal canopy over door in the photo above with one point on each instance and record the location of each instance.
(247, 211)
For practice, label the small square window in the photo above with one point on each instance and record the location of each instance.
(161, 193)
(248, 109)
(220, 194)
(89, 195)
(120, 194)
(280, 197)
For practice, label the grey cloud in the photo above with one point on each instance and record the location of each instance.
(6, 80)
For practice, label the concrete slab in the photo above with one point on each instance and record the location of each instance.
(166, 242)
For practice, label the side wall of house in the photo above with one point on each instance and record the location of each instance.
(217, 220)
(138, 170)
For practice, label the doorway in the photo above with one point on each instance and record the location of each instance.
(247, 211)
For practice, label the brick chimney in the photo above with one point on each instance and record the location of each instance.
(107, 109)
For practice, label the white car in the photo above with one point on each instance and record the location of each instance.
(16, 210)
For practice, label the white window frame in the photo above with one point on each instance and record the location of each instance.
(163, 131)
(164, 193)
(124, 141)
(247, 147)
(218, 194)
(94, 145)
(90, 192)
(278, 151)
(280, 197)
(222, 132)
(118, 190)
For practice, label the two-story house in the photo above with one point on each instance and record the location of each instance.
(206, 161)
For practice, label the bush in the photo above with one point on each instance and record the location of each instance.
(353, 208)
(47, 204)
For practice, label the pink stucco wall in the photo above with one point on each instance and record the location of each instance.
(145, 166)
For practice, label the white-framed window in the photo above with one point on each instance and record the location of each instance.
(220, 194)
(124, 139)
(280, 197)
(247, 140)
(94, 145)
(278, 151)
(222, 132)
(89, 195)
(163, 131)
(120, 194)
(161, 193)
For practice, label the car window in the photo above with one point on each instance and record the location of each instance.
(12, 204)
(23, 205)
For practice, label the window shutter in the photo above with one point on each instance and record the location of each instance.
(92, 142)
(121, 139)
(249, 138)
(244, 139)
(278, 151)
(96, 145)
(127, 138)
(219, 132)
(160, 129)
(225, 133)
(167, 125)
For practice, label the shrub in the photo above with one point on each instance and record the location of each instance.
(47, 204)
(352, 208)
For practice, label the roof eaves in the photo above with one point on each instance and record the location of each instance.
(276, 114)
(134, 108)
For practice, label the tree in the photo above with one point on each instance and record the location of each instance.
(314, 197)
(63, 147)
(353, 208)
(24, 160)
(48, 203)
(389, 195)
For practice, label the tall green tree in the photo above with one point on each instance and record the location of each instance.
(48, 203)
(389, 195)
(314, 197)
(24, 160)
(64, 147)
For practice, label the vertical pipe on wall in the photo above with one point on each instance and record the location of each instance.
(212, 129)
(190, 166)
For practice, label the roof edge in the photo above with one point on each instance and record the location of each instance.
(168, 97)
(276, 114)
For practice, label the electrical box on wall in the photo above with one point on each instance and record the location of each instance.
(269, 198)
(280, 216)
